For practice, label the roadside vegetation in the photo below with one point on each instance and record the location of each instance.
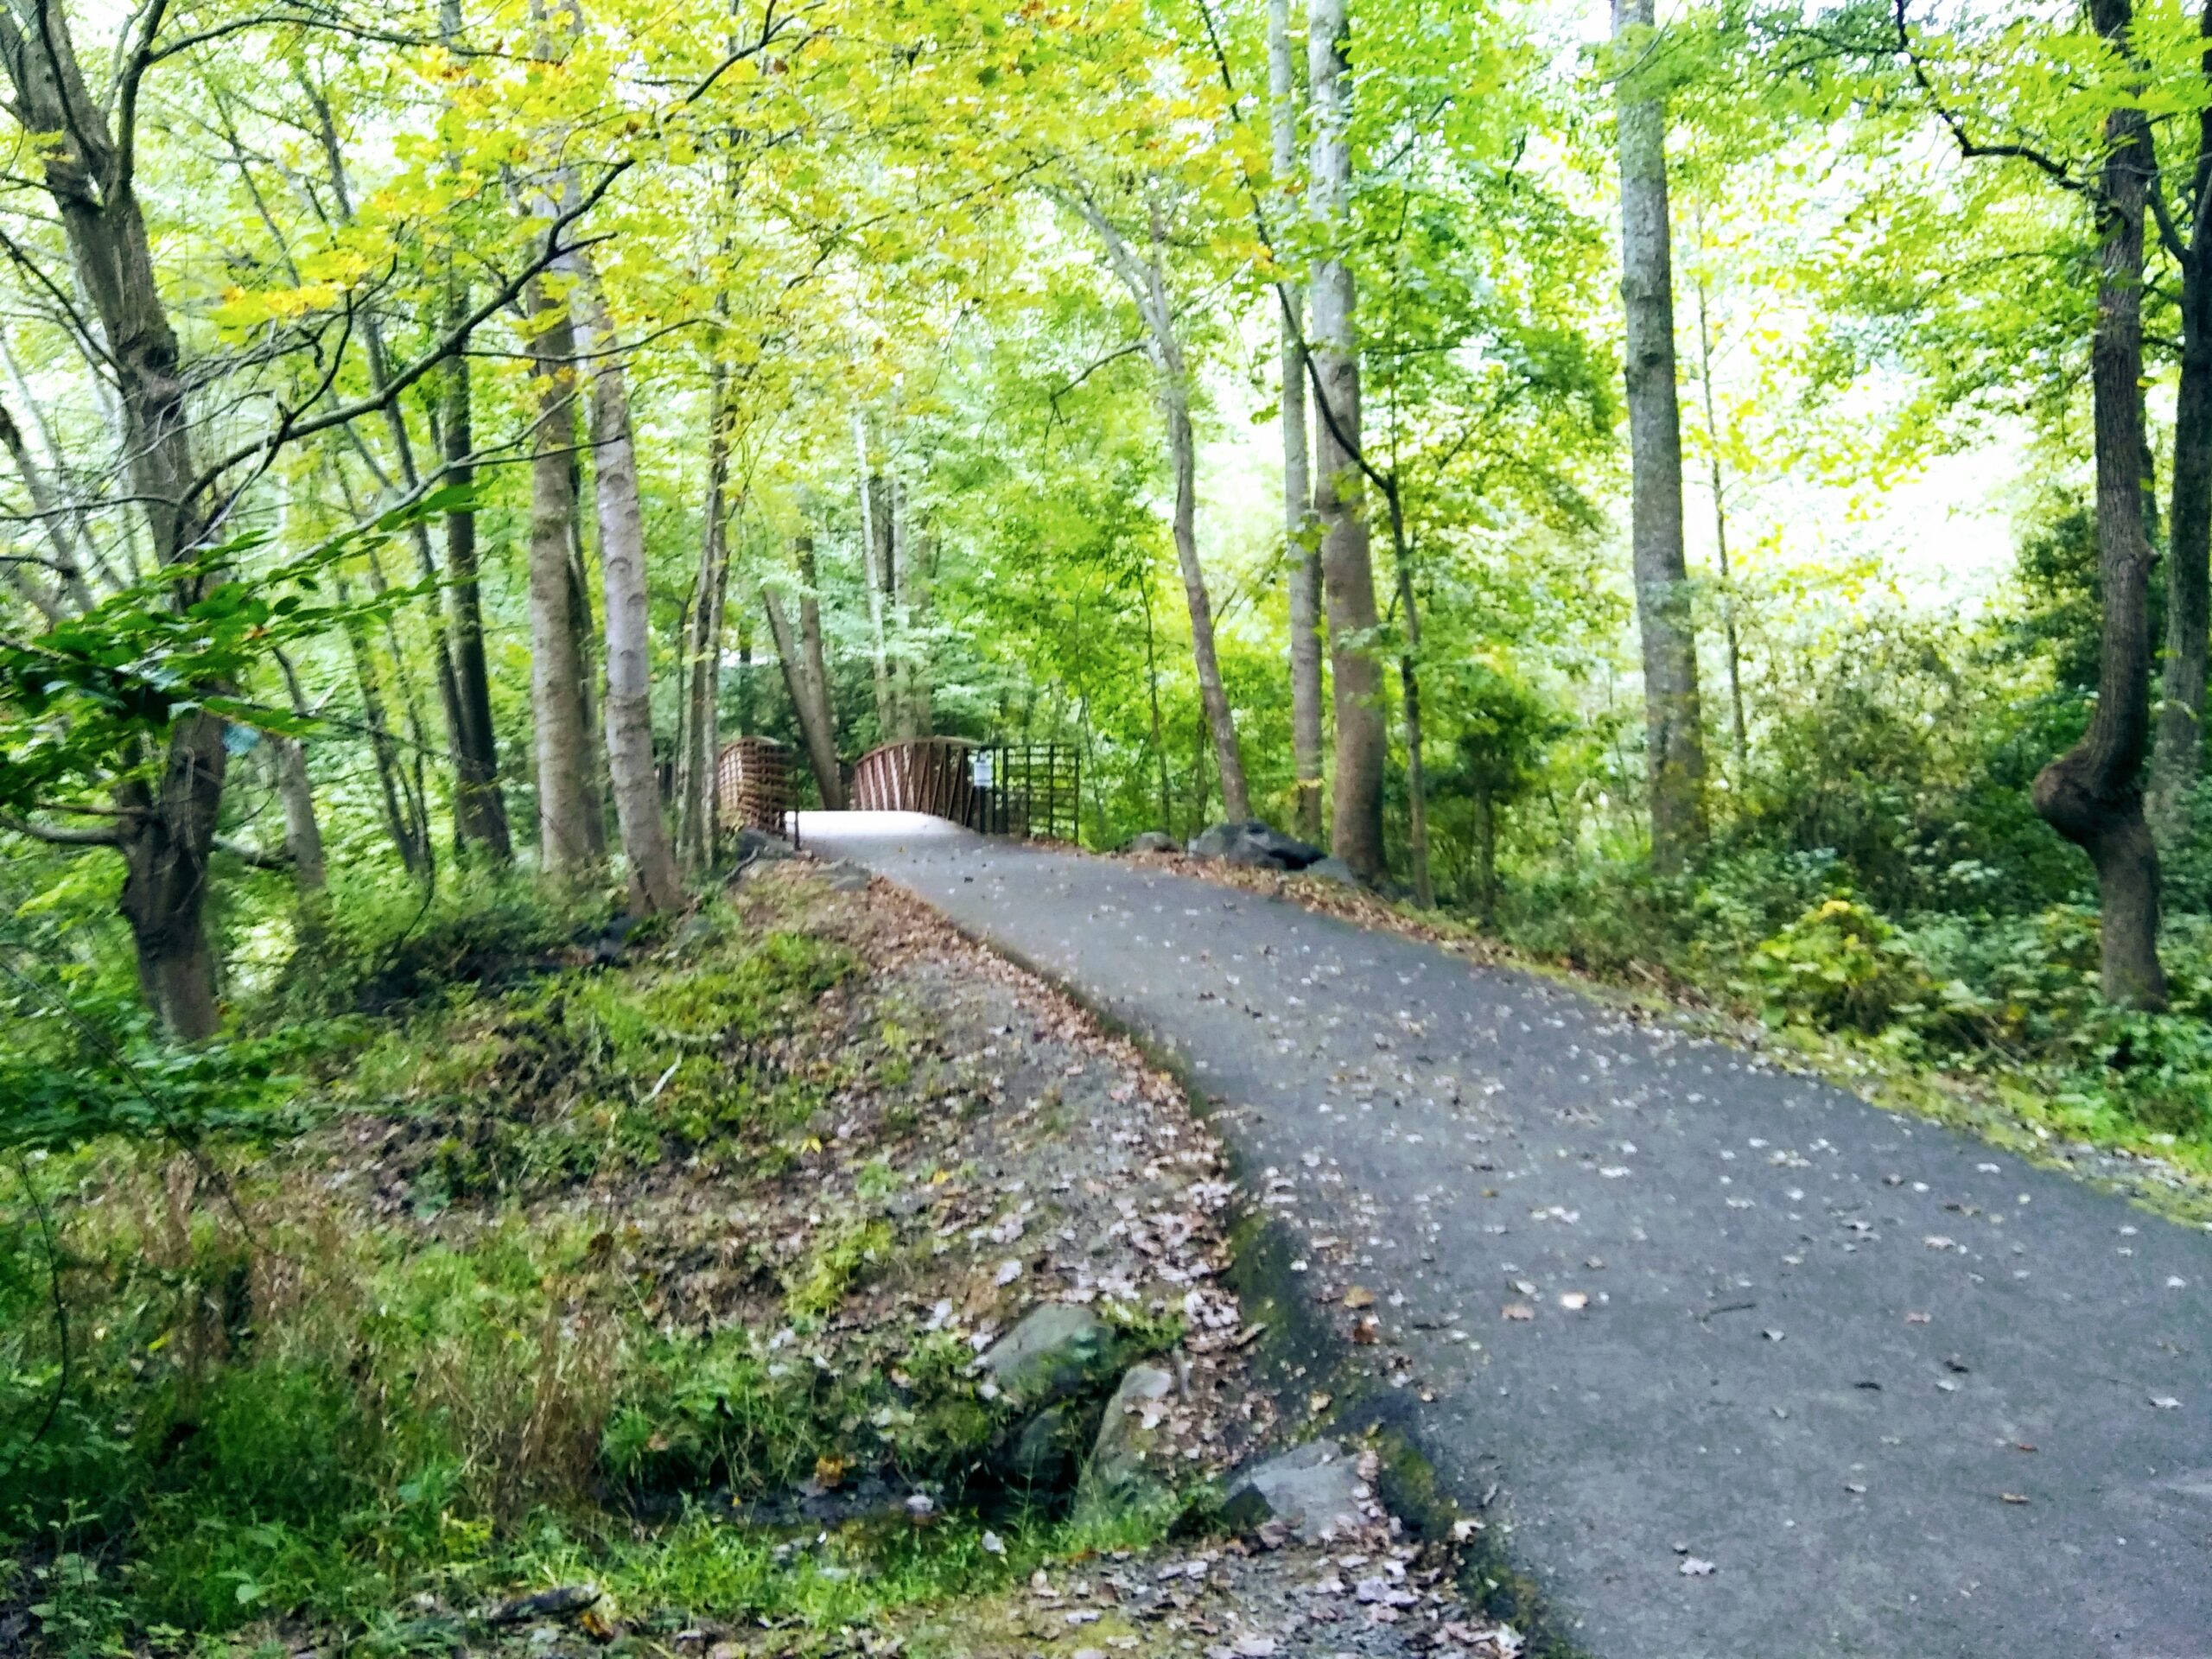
(648, 1274)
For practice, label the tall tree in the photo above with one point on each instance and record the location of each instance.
(1340, 491)
(1301, 543)
(631, 770)
(806, 677)
(568, 806)
(1675, 737)
(479, 809)
(703, 655)
(2092, 794)
(1144, 276)
(2178, 757)
(165, 822)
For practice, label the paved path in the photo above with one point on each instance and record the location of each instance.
(1818, 1340)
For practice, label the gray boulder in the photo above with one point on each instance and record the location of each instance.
(1043, 1450)
(1254, 843)
(1057, 1350)
(754, 844)
(1116, 1477)
(1152, 841)
(1314, 1489)
(1333, 869)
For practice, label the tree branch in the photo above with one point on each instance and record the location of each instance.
(55, 835)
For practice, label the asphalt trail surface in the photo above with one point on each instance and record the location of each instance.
(1819, 1340)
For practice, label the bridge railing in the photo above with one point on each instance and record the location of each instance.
(754, 788)
(1025, 789)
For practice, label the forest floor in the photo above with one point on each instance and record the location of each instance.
(1740, 1363)
(649, 1306)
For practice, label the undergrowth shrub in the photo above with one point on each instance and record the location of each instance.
(1840, 967)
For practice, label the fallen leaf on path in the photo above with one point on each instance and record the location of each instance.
(1519, 1310)
(1573, 1301)
(1359, 1296)
(1916, 1318)
(1696, 1567)
(2013, 1498)
(2165, 1402)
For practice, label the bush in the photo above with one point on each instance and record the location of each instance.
(1840, 967)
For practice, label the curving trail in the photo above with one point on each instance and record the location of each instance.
(1817, 1340)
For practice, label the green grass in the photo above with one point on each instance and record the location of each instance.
(293, 1414)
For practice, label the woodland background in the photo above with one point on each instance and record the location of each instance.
(432, 432)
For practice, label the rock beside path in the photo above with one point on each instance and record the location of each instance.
(1057, 1350)
(1118, 1476)
(1314, 1489)
(1256, 843)
(1152, 841)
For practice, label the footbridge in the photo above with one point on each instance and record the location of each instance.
(1031, 791)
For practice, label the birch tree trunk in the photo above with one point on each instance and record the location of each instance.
(2091, 794)
(629, 713)
(568, 848)
(1674, 738)
(1339, 492)
(1301, 538)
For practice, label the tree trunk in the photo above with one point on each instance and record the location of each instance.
(1146, 282)
(806, 679)
(480, 810)
(1301, 537)
(746, 720)
(567, 844)
(1737, 728)
(302, 833)
(1159, 731)
(875, 555)
(406, 830)
(1674, 734)
(917, 693)
(1228, 752)
(629, 713)
(2092, 795)
(585, 621)
(1410, 691)
(702, 663)
(1339, 492)
(168, 836)
(1485, 854)
(165, 876)
(2178, 757)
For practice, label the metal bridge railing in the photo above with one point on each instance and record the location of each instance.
(1031, 791)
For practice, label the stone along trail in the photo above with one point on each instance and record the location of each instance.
(1754, 1369)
